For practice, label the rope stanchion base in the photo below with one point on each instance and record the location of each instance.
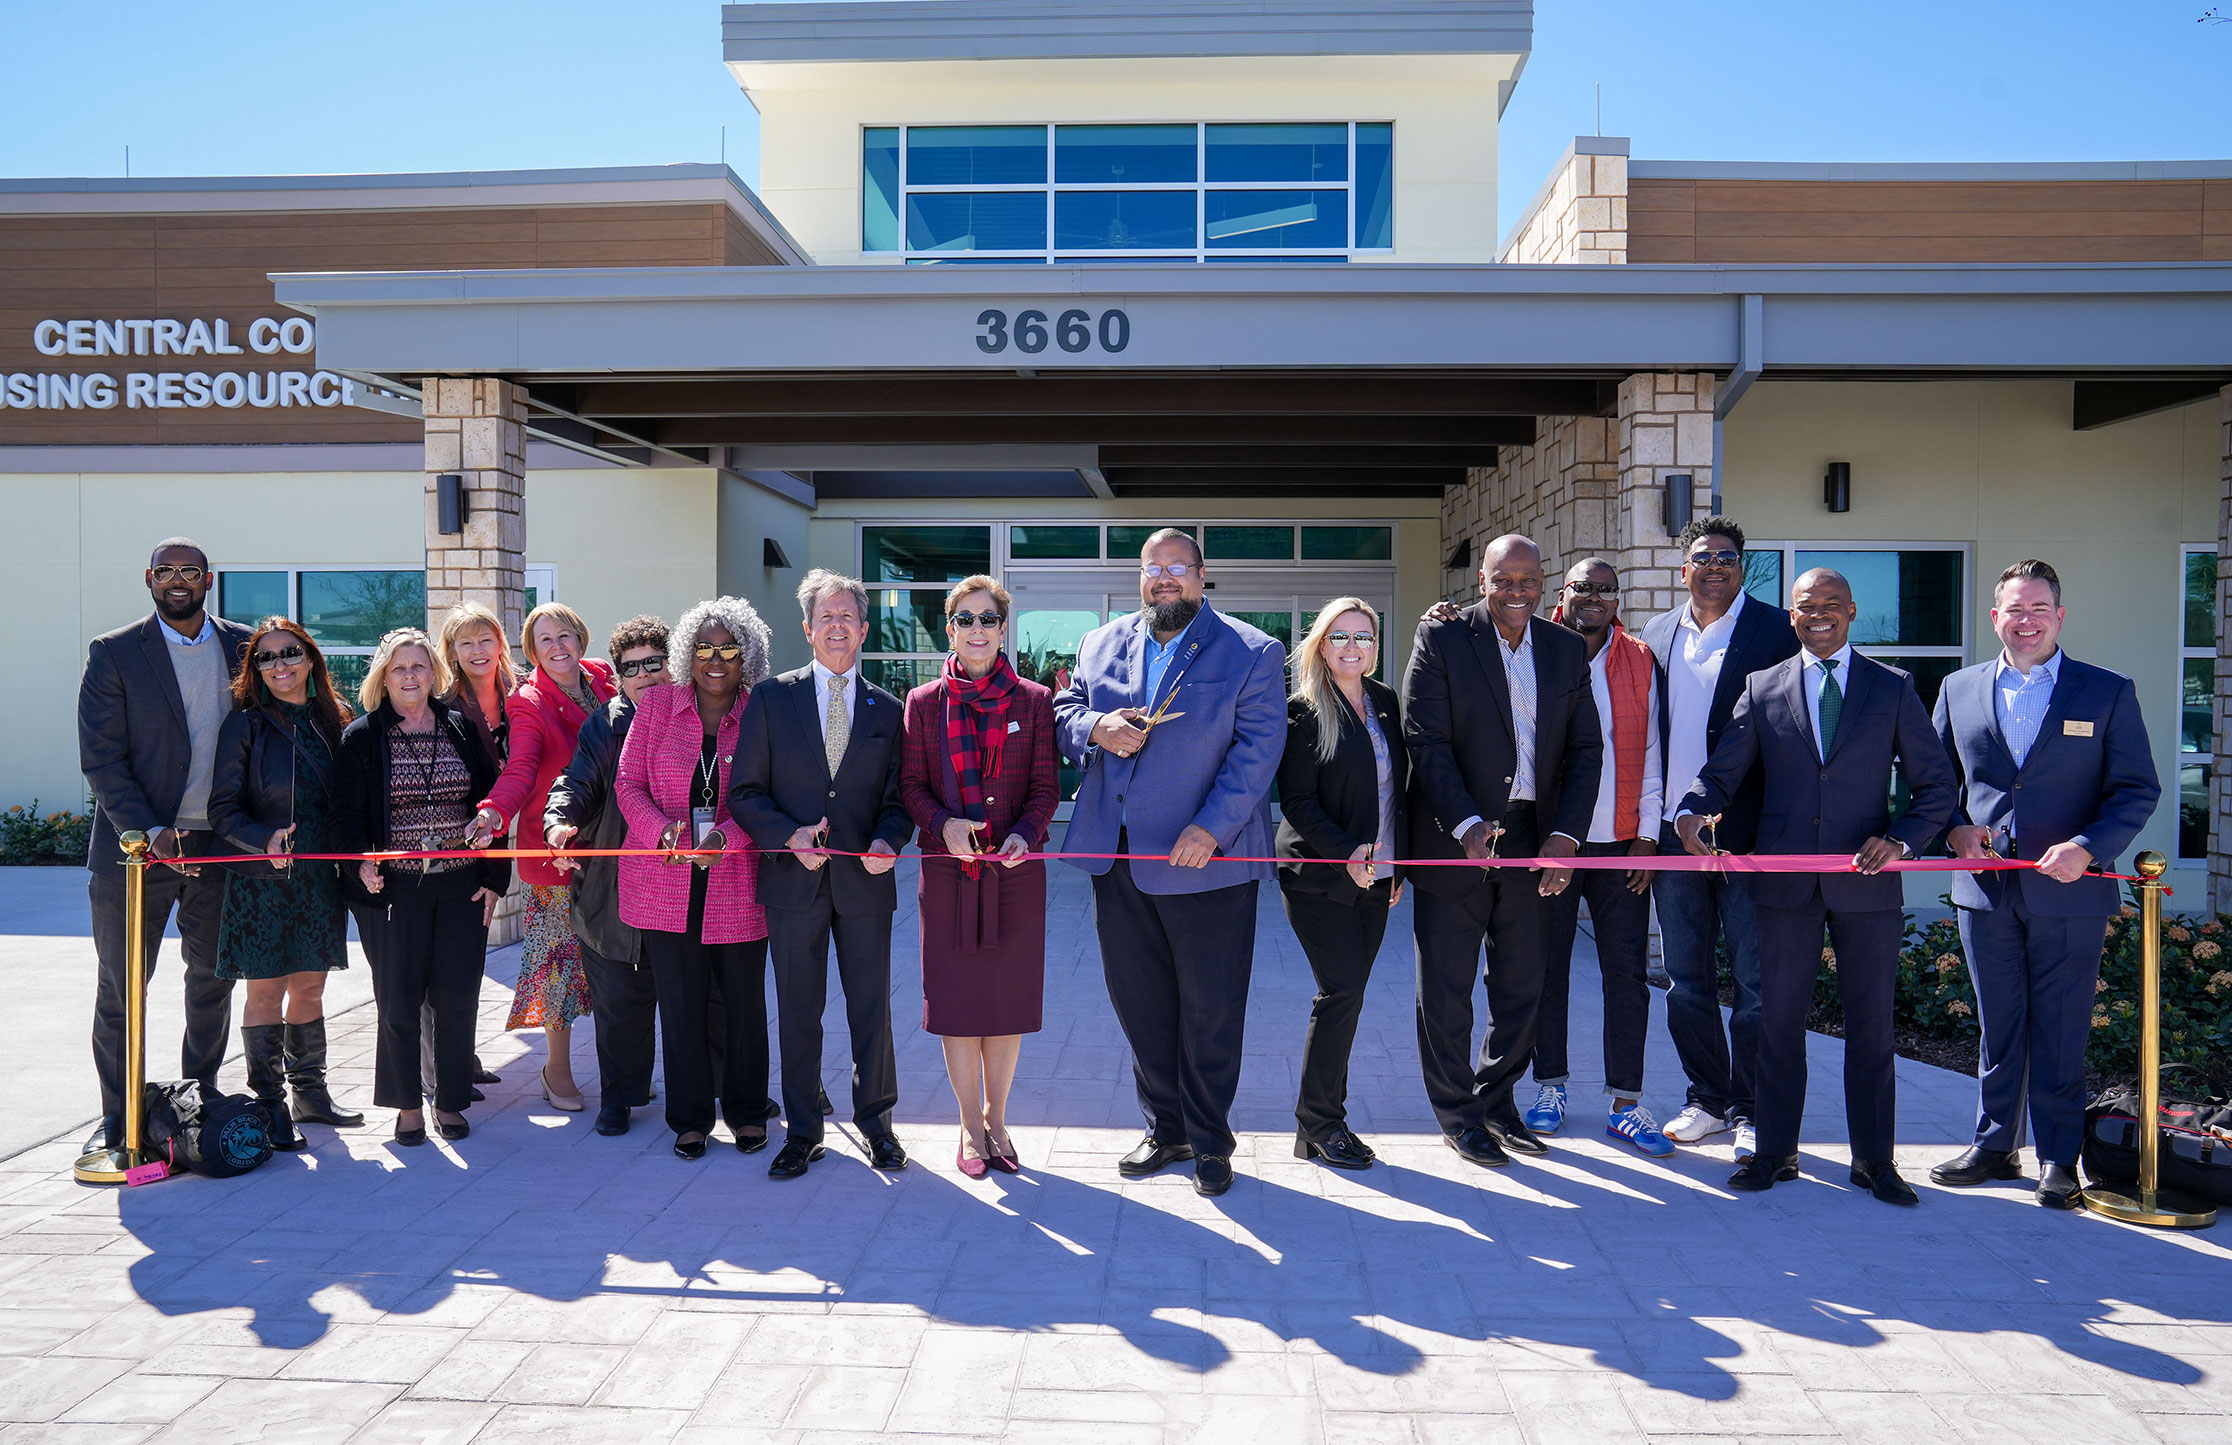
(2160, 1208)
(111, 1166)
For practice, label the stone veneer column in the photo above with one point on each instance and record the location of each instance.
(477, 427)
(2220, 785)
(1666, 427)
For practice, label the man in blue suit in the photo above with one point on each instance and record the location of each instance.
(2054, 766)
(1177, 718)
(1824, 728)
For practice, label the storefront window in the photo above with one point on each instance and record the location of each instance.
(976, 221)
(1348, 544)
(250, 597)
(2197, 702)
(1124, 155)
(1911, 603)
(1259, 219)
(1278, 152)
(879, 189)
(1124, 220)
(1034, 542)
(1126, 543)
(1251, 544)
(976, 155)
(1375, 187)
(924, 554)
(354, 609)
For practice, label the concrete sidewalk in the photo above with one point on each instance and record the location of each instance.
(537, 1282)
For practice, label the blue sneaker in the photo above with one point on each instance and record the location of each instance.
(1548, 1111)
(1635, 1125)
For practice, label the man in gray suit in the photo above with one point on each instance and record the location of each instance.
(149, 706)
(1825, 728)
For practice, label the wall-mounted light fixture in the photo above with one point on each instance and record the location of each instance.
(772, 553)
(1460, 556)
(451, 506)
(1836, 487)
(1677, 500)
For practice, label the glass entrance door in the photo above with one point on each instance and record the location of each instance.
(1050, 621)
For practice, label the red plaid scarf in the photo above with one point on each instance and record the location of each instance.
(976, 728)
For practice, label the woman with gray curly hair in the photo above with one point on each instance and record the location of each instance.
(698, 906)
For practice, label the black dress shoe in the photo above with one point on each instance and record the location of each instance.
(1515, 1136)
(1212, 1175)
(1976, 1165)
(2058, 1187)
(1341, 1149)
(485, 1076)
(409, 1138)
(791, 1160)
(749, 1142)
(1152, 1157)
(612, 1120)
(1476, 1145)
(448, 1130)
(477, 1097)
(1880, 1177)
(103, 1137)
(885, 1153)
(1760, 1173)
(692, 1149)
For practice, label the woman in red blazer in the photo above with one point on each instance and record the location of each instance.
(545, 716)
(977, 775)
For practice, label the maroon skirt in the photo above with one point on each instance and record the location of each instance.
(983, 948)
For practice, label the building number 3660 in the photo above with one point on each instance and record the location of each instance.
(1073, 331)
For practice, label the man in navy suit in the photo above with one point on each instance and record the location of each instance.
(2054, 766)
(1177, 717)
(1824, 729)
(1705, 650)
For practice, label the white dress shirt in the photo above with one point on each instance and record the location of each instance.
(1519, 684)
(822, 675)
(1843, 670)
(1692, 676)
(1604, 824)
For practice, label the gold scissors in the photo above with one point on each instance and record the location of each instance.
(1160, 714)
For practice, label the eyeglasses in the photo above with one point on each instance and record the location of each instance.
(729, 651)
(645, 664)
(1714, 559)
(187, 575)
(266, 661)
(1176, 570)
(1343, 639)
(977, 619)
(1593, 589)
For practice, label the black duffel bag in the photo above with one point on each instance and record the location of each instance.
(219, 1135)
(2195, 1153)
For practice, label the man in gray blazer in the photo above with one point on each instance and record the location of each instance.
(1825, 728)
(149, 706)
(1177, 937)
(2052, 759)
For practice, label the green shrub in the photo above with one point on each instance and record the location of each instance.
(27, 837)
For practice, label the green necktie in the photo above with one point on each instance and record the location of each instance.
(1832, 704)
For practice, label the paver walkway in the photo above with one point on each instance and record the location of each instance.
(537, 1282)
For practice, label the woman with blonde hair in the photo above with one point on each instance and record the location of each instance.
(546, 716)
(481, 681)
(406, 775)
(1341, 802)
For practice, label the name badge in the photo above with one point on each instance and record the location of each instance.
(701, 823)
(2074, 729)
(1015, 727)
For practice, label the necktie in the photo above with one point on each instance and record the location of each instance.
(838, 730)
(1832, 704)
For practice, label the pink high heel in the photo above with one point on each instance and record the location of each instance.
(973, 1168)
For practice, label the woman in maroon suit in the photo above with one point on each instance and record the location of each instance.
(978, 777)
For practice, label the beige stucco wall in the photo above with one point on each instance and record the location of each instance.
(1996, 466)
(1443, 107)
(749, 515)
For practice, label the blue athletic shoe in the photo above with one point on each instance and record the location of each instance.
(1548, 1111)
(1635, 1125)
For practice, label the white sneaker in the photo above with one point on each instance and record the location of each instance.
(1694, 1125)
(1747, 1140)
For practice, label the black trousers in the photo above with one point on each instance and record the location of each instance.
(799, 940)
(1867, 948)
(1621, 920)
(1340, 940)
(1178, 966)
(426, 944)
(2034, 977)
(1507, 915)
(627, 1007)
(200, 902)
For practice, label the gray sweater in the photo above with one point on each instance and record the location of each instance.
(205, 685)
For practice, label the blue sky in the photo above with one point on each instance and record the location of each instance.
(257, 88)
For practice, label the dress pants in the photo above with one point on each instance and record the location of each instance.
(2034, 979)
(1340, 940)
(425, 941)
(798, 940)
(1177, 966)
(200, 901)
(687, 972)
(1695, 911)
(627, 1009)
(1621, 920)
(1505, 912)
(1867, 948)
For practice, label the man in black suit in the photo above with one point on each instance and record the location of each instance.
(1504, 751)
(149, 706)
(1824, 729)
(817, 765)
(1705, 650)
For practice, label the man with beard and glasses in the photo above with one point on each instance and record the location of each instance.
(149, 706)
(1176, 716)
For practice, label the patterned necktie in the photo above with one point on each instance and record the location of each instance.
(1832, 704)
(838, 729)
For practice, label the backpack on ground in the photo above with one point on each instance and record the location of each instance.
(2195, 1152)
(219, 1135)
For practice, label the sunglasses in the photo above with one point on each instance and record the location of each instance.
(1714, 559)
(977, 619)
(266, 661)
(168, 573)
(1595, 589)
(1176, 570)
(1343, 639)
(643, 664)
(729, 651)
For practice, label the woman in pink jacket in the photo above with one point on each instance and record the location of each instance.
(545, 715)
(698, 907)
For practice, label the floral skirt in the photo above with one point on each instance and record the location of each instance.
(553, 989)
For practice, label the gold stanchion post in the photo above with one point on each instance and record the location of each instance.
(2144, 1202)
(109, 1166)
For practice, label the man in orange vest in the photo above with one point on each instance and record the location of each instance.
(1629, 799)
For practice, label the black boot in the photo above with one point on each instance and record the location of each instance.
(306, 1066)
(266, 1045)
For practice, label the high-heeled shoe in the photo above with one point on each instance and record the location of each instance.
(690, 1149)
(1003, 1159)
(972, 1168)
(571, 1103)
